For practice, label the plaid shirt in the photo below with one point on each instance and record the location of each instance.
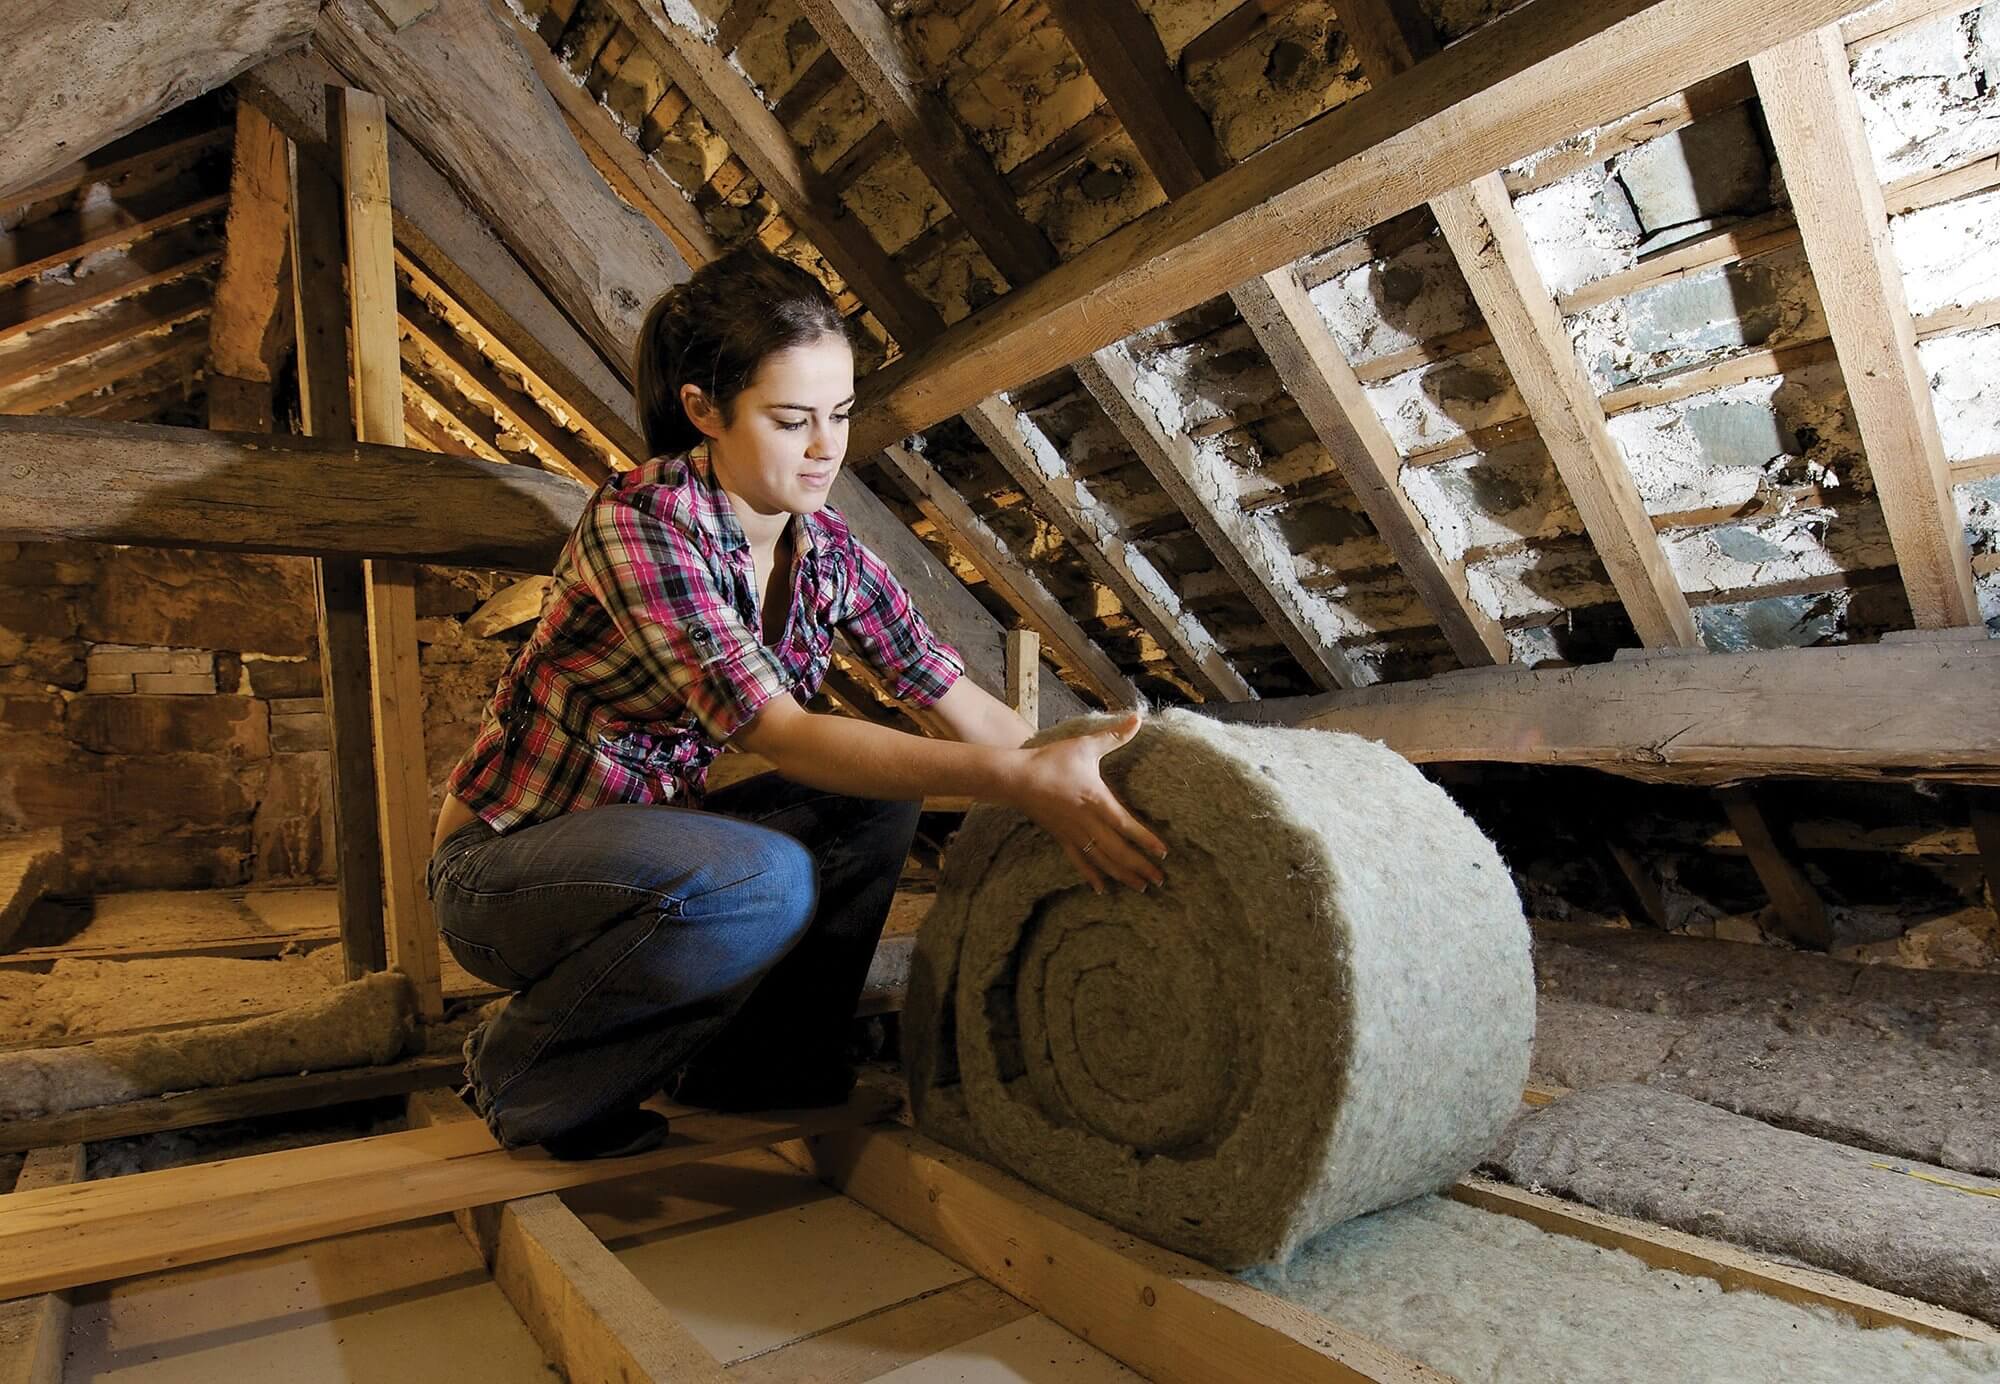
(647, 656)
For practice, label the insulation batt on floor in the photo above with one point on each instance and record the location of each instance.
(1491, 1299)
(1328, 1007)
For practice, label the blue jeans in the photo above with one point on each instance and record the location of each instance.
(638, 935)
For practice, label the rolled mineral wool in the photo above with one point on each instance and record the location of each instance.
(366, 1021)
(1328, 1008)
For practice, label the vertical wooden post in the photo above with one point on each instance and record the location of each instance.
(1024, 675)
(400, 770)
(320, 316)
(1800, 910)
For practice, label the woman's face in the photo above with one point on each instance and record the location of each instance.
(787, 432)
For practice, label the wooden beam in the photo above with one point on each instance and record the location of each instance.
(451, 244)
(1246, 546)
(34, 1331)
(592, 1317)
(1165, 1316)
(171, 142)
(70, 236)
(1732, 1268)
(1873, 23)
(1002, 571)
(179, 349)
(461, 89)
(454, 259)
(1911, 710)
(317, 249)
(1800, 910)
(1024, 650)
(39, 303)
(627, 167)
(402, 777)
(246, 330)
(469, 431)
(758, 137)
(1528, 80)
(1491, 246)
(120, 67)
(1815, 126)
(477, 377)
(1176, 142)
(64, 1236)
(144, 315)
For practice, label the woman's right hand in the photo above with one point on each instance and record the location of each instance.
(1061, 791)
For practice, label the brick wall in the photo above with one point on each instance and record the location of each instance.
(163, 709)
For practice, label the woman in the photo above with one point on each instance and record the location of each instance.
(578, 860)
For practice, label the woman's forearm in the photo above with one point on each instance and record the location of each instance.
(843, 755)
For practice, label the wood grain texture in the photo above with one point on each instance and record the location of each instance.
(34, 1331)
(1530, 79)
(1815, 125)
(245, 334)
(75, 76)
(1902, 710)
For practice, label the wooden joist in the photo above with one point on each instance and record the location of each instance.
(145, 314)
(1716, 719)
(34, 1331)
(71, 235)
(1815, 125)
(165, 259)
(120, 66)
(1164, 1315)
(1528, 80)
(1800, 911)
(65, 1236)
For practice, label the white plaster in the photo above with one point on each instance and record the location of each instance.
(1791, 547)
(1573, 243)
(1964, 391)
(1420, 410)
(1926, 97)
(1358, 307)
(1949, 253)
(1537, 581)
(1489, 499)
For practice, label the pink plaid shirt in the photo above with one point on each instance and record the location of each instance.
(647, 657)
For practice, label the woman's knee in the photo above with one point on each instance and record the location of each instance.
(773, 884)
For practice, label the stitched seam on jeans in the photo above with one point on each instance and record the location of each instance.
(534, 1054)
(657, 895)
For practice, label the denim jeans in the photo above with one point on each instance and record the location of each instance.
(637, 935)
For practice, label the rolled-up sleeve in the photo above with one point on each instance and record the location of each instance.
(669, 610)
(915, 664)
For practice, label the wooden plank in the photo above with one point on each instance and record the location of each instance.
(1162, 1314)
(34, 1331)
(1058, 495)
(1978, 173)
(122, 66)
(1700, 379)
(885, 1341)
(464, 93)
(1024, 651)
(1760, 235)
(1529, 79)
(1732, 1268)
(476, 376)
(1175, 140)
(758, 137)
(317, 248)
(247, 329)
(1246, 546)
(62, 1237)
(70, 236)
(638, 179)
(1904, 710)
(402, 782)
(1022, 589)
(1874, 23)
(172, 141)
(266, 1096)
(1815, 125)
(178, 350)
(1800, 910)
(1664, 116)
(39, 303)
(140, 315)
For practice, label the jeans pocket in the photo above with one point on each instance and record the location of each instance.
(484, 962)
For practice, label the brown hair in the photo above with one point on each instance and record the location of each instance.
(715, 330)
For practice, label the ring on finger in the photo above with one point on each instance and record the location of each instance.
(1089, 846)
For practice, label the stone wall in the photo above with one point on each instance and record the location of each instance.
(164, 710)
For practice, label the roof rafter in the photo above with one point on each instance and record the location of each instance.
(1815, 125)
(875, 54)
(1531, 78)
(1491, 246)
(1123, 53)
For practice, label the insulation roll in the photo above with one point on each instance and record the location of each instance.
(1327, 1009)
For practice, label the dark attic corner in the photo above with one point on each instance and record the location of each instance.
(469, 813)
